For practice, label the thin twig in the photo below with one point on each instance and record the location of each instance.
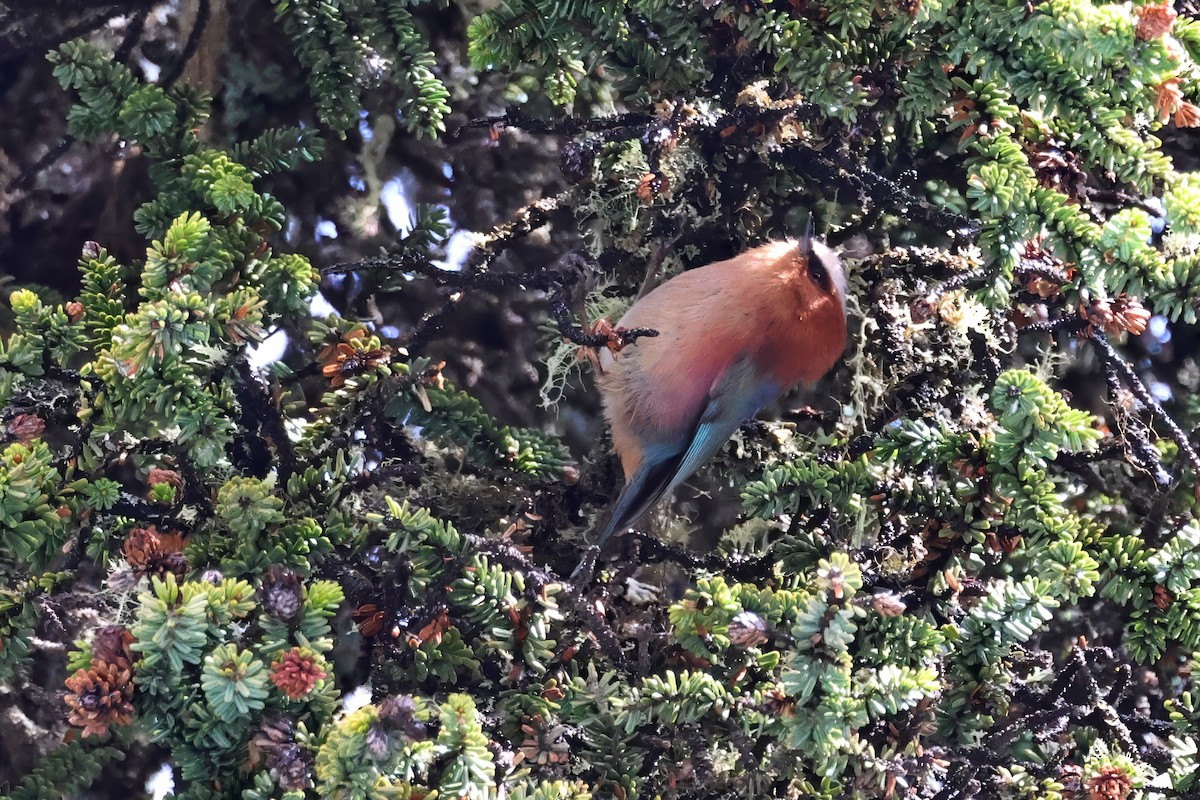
(133, 34)
(514, 117)
(840, 169)
(23, 181)
(658, 253)
(1122, 367)
(553, 280)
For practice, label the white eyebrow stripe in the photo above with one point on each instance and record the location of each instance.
(833, 265)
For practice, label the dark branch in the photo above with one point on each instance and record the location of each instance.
(1121, 367)
(193, 43)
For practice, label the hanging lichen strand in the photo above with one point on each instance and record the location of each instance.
(950, 579)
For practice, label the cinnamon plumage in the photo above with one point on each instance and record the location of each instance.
(733, 336)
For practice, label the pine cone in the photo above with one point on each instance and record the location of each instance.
(152, 553)
(99, 697)
(748, 629)
(274, 743)
(400, 712)
(544, 743)
(112, 646)
(1129, 314)
(274, 732)
(24, 428)
(291, 765)
(282, 594)
(142, 546)
(1111, 784)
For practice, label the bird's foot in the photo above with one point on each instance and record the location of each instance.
(639, 593)
(603, 334)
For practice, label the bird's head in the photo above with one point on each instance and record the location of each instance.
(818, 278)
(811, 333)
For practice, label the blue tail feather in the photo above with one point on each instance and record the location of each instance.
(644, 489)
(735, 397)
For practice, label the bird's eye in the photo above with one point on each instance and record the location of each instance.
(817, 272)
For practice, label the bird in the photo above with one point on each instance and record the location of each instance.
(732, 337)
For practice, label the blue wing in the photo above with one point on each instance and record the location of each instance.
(734, 397)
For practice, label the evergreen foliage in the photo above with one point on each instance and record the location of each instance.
(903, 612)
(348, 48)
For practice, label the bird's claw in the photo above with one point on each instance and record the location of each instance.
(640, 593)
